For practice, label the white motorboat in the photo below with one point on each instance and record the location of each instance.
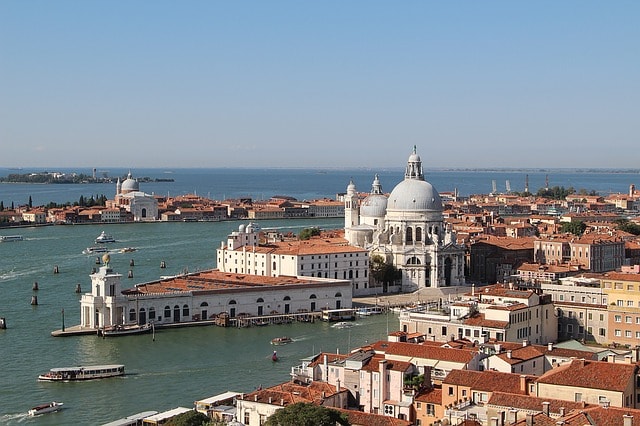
(90, 372)
(95, 249)
(105, 238)
(46, 408)
(342, 324)
(10, 238)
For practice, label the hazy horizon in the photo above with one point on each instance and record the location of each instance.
(202, 84)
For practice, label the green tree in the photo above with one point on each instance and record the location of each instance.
(81, 201)
(190, 418)
(305, 414)
(383, 272)
(307, 233)
(1, 205)
(30, 202)
(576, 228)
(627, 226)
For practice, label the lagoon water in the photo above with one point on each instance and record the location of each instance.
(181, 365)
(176, 369)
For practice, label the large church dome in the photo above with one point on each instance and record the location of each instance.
(130, 184)
(414, 193)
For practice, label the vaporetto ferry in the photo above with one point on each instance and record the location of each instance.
(68, 374)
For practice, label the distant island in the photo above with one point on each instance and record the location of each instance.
(69, 178)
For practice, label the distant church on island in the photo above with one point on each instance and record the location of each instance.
(407, 229)
(143, 207)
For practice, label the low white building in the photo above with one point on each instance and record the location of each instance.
(205, 295)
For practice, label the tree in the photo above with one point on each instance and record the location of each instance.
(383, 272)
(307, 233)
(576, 228)
(305, 414)
(189, 418)
(627, 226)
(30, 202)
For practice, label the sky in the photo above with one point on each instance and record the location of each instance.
(205, 83)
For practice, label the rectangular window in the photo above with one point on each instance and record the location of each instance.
(627, 334)
(602, 332)
(577, 397)
(618, 318)
(627, 319)
(617, 333)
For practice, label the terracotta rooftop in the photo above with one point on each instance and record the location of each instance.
(489, 381)
(415, 350)
(215, 281)
(528, 402)
(592, 374)
(289, 393)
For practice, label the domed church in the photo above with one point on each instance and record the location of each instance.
(143, 207)
(407, 229)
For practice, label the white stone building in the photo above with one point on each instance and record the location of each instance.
(205, 295)
(327, 257)
(143, 207)
(407, 229)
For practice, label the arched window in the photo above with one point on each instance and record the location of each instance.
(413, 261)
(144, 213)
(260, 300)
(152, 314)
(232, 302)
(204, 304)
(418, 233)
(409, 237)
(185, 310)
(167, 312)
(313, 296)
(132, 314)
(350, 273)
(286, 298)
(338, 294)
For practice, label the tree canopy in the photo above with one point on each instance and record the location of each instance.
(305, 414)
(576, 228)
(307, 233)
(190, 418)
(382, 271)
(628, 226)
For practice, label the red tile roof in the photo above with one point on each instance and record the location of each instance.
(488, 381)
(592, 374)
(415, 350)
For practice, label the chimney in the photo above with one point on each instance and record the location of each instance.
(282, 402)
(338, 386)
(529, 419)
(326, 368)
(545, 408)
(514, 415)
(255, 397)
(498, 348)
(627, 359)
(611, 358)
(525, 342)
(627, 420)
(270, 400)
(550, 346)
(509, 354)
(561, 410)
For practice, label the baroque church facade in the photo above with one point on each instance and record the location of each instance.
(143, 207)
(407, 229)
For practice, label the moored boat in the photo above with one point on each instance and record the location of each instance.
(342, 324)
(124, 330)
(90, 372)
(281, 340)
(104, 238)
(45, 408)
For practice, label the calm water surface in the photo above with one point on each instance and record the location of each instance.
(176, 369)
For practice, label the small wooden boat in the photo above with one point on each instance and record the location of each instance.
(46, 408)
(281, 340)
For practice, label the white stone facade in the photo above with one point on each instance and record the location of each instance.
(407, 229)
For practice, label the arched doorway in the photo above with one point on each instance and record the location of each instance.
(142, 316)
(447, 271)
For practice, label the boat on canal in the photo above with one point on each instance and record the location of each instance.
(281, 340)
(124, 330)
(89, 372)
(105, 238)
(45, 408)
(10, 238)
(95, 249)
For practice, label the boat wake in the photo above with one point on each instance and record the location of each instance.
(18, 418)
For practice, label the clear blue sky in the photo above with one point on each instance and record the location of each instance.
(322, 83)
